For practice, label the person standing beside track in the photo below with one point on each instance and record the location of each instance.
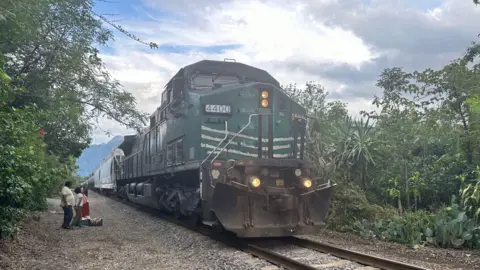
(85, 206)
(67, 204)
(78, 206)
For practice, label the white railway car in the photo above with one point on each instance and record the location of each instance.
(103, 178)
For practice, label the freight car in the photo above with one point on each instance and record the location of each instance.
(103, 178)
(226, 147)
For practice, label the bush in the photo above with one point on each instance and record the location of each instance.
(349, 204)
(27, 173)
(19, 166)
(409, 228)
(449, 227)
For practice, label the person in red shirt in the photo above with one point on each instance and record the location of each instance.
(85, 205)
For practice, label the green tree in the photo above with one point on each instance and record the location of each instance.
(428, 123)
(51, 78)
(322, 116)
(52, 46)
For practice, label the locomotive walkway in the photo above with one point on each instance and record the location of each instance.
(132, 239)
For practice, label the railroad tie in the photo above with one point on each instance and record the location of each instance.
(270, 267)
(331, 264)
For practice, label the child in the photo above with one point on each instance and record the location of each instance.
(78, 207)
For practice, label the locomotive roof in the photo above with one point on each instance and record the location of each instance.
(250, 73)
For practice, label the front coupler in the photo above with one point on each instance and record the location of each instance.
(274, 214)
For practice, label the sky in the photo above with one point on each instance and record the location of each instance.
(342, 44)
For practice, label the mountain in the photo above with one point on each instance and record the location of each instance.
(94, 154)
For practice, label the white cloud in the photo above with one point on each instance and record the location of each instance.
(355, 106)
(271, 34)
(265, 32)
(274, 33)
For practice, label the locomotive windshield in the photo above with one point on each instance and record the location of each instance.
(209, 81)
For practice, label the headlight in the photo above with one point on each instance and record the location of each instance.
(298, 172)
(264, 94)
(215, 174)
(255, 181)
(307, 183)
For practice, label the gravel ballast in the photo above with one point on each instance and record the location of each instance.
(310, 257)
(133, 239)
(128, 239)
(427, 257)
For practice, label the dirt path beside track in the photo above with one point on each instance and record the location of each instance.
(128, 239)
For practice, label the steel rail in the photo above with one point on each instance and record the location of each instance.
(361, 258)
(275, 258)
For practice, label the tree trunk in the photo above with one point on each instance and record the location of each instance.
(400, 209)
(466, 129)
(407, 193)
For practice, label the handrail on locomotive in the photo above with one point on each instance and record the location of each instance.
(234, 136)
(229, 142)
(224, 138)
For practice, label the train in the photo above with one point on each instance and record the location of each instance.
(226, 148)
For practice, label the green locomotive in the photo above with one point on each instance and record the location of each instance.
(226, 148)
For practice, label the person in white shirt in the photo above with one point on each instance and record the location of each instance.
(67, 203)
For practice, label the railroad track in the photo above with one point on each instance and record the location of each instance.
(361, 258)
(255, 248)
(339, 257)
